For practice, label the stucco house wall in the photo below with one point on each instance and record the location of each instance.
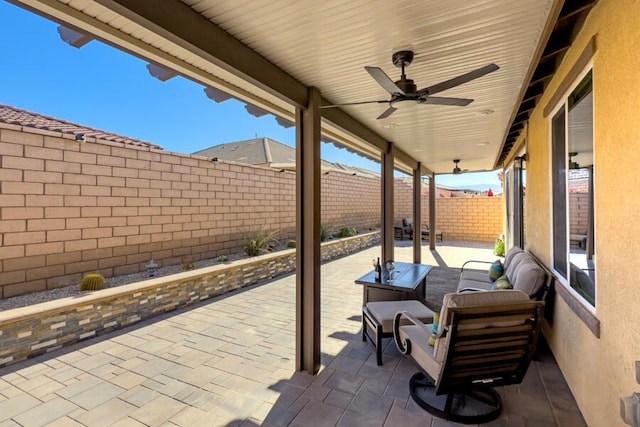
(598, 370)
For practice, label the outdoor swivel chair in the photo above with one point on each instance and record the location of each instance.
(484, 340)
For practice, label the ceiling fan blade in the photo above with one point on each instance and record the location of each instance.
(438, 100)
(355, 103)
(384, 80)
(456, 81)
(389, 111)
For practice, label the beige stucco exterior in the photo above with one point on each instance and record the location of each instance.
(598, 370)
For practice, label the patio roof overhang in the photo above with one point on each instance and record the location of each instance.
(267, 54)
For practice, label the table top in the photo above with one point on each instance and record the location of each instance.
(405, 276)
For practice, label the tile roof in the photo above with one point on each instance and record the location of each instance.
(266, 151)
(16, 116)
(252, 151)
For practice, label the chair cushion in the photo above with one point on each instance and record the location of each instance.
(421, 351)
(469, 299)
(385, 311)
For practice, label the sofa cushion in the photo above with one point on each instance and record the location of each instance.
(510, 254)
(474, 284)
(477, 275)
(515, 262)
(528, 278)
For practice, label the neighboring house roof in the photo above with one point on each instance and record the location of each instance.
(258, 151)
(265, 151)
(16, 116)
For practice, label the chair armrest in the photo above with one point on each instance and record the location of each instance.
(474, 261)
(405, 346)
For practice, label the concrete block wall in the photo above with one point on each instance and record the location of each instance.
(578, 213)
(459, 218)
(350, 201)
(68, 209)
(470, 218)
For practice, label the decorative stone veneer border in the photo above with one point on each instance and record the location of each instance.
(31, 331)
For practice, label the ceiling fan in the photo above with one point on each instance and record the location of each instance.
(404, 92)
(456, 169)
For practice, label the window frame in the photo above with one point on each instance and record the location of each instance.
(563, 104)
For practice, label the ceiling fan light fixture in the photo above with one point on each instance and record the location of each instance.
(403, 103)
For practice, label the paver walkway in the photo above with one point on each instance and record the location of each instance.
(230, 362)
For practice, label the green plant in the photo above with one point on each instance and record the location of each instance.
(325, 232)
(92, 282)
(346, 232)
(259, 242)
(291, 244)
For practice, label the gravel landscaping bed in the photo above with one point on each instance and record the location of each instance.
(111, 282)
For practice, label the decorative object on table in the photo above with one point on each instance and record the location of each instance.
(390, 266)
(92, 282)
(378, 268)
(152, 269)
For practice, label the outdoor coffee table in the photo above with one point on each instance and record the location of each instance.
(406, 282)
(404, 290)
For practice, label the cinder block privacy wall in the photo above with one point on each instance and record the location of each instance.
(67, 209)
(459, 218)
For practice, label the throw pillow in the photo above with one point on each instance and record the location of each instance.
(496, 270)
(501, 283)
(434, 330)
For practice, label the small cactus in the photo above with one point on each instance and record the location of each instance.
(291, 244)
(92, 282)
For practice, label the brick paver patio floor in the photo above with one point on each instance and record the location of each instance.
(230, 362)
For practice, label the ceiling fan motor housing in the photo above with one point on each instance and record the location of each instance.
(407, 86)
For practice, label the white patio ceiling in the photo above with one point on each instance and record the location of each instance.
(326, 44)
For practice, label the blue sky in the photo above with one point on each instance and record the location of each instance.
(101, 87)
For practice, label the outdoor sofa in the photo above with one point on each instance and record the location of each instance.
(521, 269)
